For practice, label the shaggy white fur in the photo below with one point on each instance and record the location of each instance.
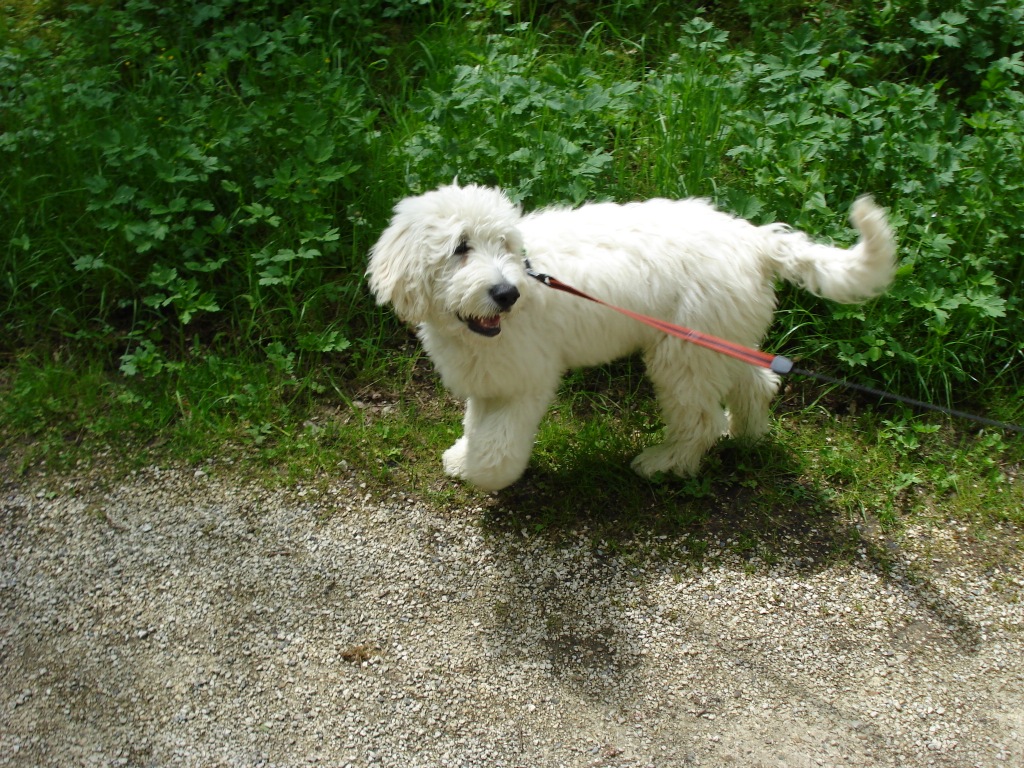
(451, 261)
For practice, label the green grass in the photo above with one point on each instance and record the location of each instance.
(188, 193)
(811, 490)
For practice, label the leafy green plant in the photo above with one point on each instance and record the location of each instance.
(188, 192)
(209, 154)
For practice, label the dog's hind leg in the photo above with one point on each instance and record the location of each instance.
(690, 384)
(497, 440)
(748, 401)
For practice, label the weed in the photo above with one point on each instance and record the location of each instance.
(189, 191)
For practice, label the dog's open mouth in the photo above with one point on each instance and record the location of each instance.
(485, 326)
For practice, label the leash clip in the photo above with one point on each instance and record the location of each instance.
(546, 279)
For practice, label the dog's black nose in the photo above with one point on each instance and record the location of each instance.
(504, 295)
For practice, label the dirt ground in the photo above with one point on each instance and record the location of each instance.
(184, 617)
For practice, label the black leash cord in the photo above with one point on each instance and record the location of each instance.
(883, 395)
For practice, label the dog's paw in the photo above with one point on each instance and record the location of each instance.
(454, 459)
(660, 459)
(490, 477)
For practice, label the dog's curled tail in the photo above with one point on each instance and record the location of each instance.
(848, 276)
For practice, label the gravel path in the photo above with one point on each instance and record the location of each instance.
(190, 618)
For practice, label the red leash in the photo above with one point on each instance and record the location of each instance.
(776, 363)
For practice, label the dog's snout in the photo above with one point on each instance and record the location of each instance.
(504, 295)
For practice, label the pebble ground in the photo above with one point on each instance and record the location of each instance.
(194, 618)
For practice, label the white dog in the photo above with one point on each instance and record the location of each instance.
(451, 261)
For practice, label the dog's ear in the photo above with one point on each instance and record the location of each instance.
(396, 274)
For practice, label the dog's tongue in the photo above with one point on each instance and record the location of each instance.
(489, 322)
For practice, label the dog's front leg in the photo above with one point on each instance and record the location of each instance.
(497, 440)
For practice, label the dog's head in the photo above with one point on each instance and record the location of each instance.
(451, 255)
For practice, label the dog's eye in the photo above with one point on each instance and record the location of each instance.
(461, 249)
